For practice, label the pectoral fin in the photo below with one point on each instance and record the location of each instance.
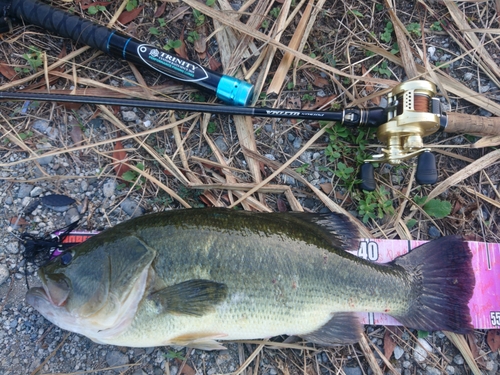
(202, 341)
(342, 328)
(192, 297)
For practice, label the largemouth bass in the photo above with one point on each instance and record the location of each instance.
(197, 276)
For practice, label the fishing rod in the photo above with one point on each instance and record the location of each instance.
(413, 110)
(226, 88)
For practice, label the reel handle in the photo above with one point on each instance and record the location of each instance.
(470, 124)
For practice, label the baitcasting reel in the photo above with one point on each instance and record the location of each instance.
(413, 112)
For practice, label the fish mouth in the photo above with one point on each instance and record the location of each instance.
(54, 290)
(37, 297)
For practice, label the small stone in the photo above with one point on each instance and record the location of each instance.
(434, 232)
(108, 189)
(24, 191)
(306, 157)
(84, 186)
(287, 180)
(44, 160)
(71, 215)
(268, 128)
(297, 142)
(37, 190)
(52, 133)
(116, 358)
(221, 144)
(406, 364)
(431, 51)
(131, 208)
(450, 370)
(468, 76)
(432, 371)
(9, 200)
(458, 359)
(13, 247)
(490, 366)
(270, 157)
(291, 137)
(352, 371)
(174, 370)
(95, 123)
(398, 352)
(484, 89)
(41, 126)
(421, 350)
(129, 116)
(4, 273)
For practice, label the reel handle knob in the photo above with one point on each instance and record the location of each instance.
(367, 176)
(426, 173)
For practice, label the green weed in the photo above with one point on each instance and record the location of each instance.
(94, 9)
(34, 59)
(199, 18)
(172, 44)
(131, 5)
(375, 205)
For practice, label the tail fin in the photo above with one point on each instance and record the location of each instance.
(443, 278)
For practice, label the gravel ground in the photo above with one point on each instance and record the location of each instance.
(31, 345)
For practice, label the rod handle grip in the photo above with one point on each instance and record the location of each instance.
(469, 124)
(60, 22)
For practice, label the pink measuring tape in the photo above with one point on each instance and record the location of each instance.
(485, 302)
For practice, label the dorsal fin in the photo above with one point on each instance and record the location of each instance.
(335, 228)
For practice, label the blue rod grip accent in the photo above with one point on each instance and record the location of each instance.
(234, 91)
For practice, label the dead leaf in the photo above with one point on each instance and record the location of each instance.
(200, 45)
(18, 222)
(128, 16)
(457, 206)
(320, 102)
(185, 368)
(76, 135)
(326, 187)
(206, 201)
(213, 63)
(119, 155)
(474, 348)
(319, 81)
(70, 106)
(389, 342)
(7, 71)
(493, 339)
(182, 50)
(281, 205)
(178, 11)
(161, 9)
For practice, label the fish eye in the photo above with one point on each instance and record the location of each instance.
(66, 258)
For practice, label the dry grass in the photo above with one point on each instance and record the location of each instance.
(185, 164)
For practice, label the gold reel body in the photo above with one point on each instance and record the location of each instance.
(413, 113)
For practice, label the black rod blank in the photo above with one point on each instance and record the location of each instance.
(373, 117)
